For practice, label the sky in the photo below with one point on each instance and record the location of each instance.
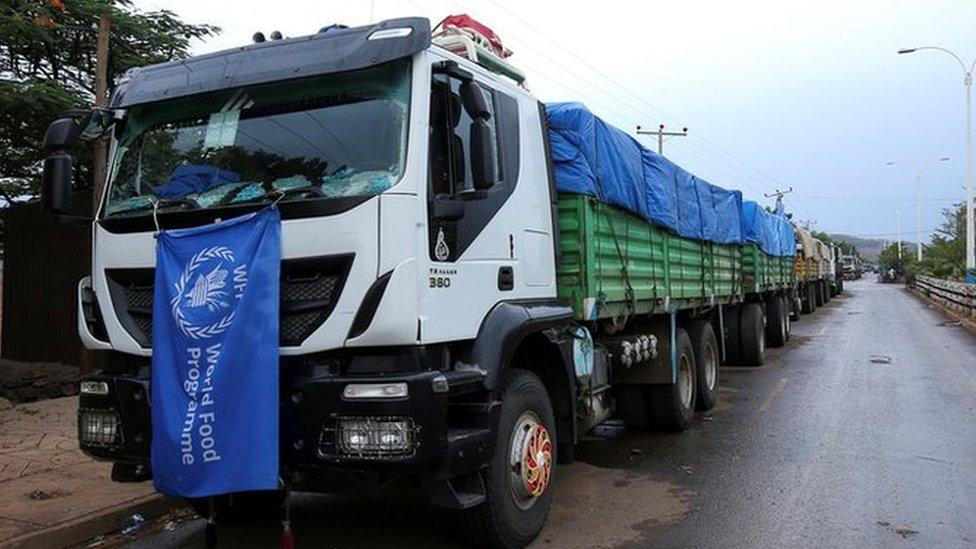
(808, 95)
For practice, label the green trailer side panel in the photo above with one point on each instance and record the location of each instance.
(765, 273)
(614, 263)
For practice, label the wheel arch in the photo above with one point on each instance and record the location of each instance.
(532, 335)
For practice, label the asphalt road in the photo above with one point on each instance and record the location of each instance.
(860, 433)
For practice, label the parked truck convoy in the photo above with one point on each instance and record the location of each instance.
(470, 280)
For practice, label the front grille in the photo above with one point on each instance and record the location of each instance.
(309, 291)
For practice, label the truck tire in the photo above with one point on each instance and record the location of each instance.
(519, 480)
(818, 293)
(752, 332)
(775, 322)
(809, 299)
(787, 315)
(827, 292)
(240, 507)
(705, 346)
(795, 306)
(730, 321)
(672, 405)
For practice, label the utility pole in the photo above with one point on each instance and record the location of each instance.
(101, 98)
(661, 134)
(918, 217)
(779, 197)
(898, 224)
(918, 199)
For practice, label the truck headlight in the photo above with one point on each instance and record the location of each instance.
(94, 388)
(97, 427)
(376, 437)
(357, 391)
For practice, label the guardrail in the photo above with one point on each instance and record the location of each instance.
(957, 295)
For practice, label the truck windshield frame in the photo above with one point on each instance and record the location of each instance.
(308, 144)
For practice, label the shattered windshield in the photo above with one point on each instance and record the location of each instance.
(339, 135)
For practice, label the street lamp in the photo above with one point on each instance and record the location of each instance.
(918, 202)
(968, 83)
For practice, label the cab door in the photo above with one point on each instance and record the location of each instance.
(473, 170)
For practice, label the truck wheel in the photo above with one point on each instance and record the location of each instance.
(775, 322)
(828, 292)
(518, 481)
(810, 300)
(787, 318)
(672, 406)
(730, 321)
(795, 306)
(705, 346)
(240, 507)
(752, 334)
(818, 293)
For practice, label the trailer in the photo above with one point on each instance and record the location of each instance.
(500, 275)
(812, 269)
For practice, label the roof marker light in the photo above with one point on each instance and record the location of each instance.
(398, 32)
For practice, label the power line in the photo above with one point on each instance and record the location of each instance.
(869, 235)
(802, 197)
(584, 62)
(513, 37)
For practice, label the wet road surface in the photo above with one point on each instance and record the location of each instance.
(860, 433)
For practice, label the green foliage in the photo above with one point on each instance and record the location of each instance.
(945, 257)
(888, 258)
(47, 66)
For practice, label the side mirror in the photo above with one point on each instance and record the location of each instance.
(484, 164)
(62, 133)
(56, 189)
(473, 99)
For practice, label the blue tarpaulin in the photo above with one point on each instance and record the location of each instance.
(194, 178)
(772, 232)
(215, 357)
(594, 158)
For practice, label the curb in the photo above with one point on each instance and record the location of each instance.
(964, 322)
(101, 521)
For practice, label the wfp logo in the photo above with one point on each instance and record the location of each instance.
(205, 300)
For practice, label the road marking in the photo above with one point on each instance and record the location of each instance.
(771, 397)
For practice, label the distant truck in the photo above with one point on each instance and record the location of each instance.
(852, 267)
(836, 268)
(447, 316)
(812, 268)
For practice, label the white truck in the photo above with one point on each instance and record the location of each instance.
(421, 334)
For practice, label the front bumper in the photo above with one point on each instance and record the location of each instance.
(450, 416)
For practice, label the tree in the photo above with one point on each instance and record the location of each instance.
(47, 66)
(946, 255)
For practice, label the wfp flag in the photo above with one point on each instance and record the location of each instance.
(215, 357)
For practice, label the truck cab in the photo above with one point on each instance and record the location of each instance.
(418, 287)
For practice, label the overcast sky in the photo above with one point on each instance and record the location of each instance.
(774, 93)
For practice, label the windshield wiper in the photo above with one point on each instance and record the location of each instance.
(161, 203)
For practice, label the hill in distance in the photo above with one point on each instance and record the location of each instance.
(869, 248)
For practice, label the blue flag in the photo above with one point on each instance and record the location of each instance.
(215, 357)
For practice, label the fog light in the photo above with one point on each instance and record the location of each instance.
(376, 437)
(355, 391)
(97, 427)
(94, 388)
